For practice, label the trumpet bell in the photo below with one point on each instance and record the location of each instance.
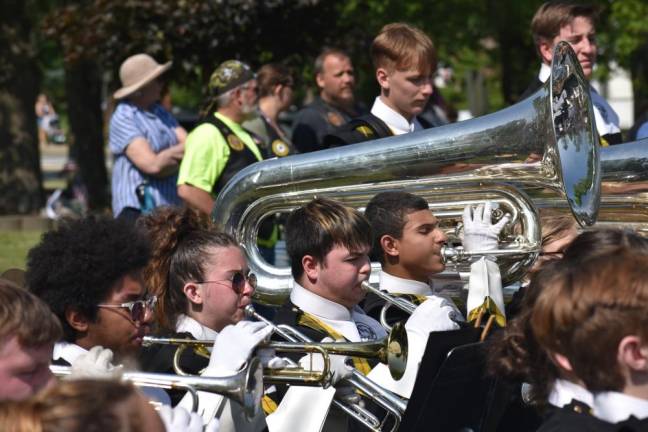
(252, 392)
(397, 349)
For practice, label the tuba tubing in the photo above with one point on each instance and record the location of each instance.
(624, 198)
(554, 127)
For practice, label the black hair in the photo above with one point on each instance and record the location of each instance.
(78, 264)
(387, 212)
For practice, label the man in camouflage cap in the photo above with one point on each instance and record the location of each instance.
(219, 147)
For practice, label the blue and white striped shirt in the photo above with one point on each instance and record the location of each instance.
(157, 126)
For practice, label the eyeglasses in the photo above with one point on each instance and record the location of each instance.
(137, 308)
(237, 280)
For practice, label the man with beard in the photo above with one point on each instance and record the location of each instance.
(219, 147)
(335, 105)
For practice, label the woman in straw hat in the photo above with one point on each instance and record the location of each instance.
(145, 139)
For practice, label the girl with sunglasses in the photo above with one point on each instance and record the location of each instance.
(202, 282)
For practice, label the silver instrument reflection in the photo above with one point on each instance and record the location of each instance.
(546, 141)
(244, 387)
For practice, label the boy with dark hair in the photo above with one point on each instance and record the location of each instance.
(88, 272)
(408, 242)
(404, 59)
(328, 245)
(28, 331)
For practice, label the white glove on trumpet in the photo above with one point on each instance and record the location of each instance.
(234, 346)
(485, 284)
(95, 364)
(479, 232)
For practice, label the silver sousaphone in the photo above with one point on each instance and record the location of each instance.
(624, 188)
(547, 141)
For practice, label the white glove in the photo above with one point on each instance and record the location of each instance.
(339, 369)
(270, 360)
(96, 364)
(434, 314)
(485, 281)
(479, 233)
(234, 345)
(179, 419)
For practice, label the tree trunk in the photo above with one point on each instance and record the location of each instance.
(20, 175)
(639, 72)
(83, 92)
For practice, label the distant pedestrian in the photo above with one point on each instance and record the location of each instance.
(335, 105)
(145, 140)
(275, 96)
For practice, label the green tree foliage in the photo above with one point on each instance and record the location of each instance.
(626, 37)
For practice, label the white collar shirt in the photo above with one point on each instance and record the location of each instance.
(353, 324)
(186, 324)
(563, 392)
(396, 122)
(607, 120)
(615, 407)
(397, 285)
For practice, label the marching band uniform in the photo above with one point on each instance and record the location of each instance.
(159, 358)
(381, 122)
(230, 414)
(317, 318)
(414, 291)
(564, 392)
(440, 313)
(611, 411)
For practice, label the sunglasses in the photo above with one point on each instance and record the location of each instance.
(237, 280)
(137, 308)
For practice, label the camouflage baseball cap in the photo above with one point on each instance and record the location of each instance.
(229, 74)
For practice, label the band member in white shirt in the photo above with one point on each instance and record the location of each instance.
(407, 242)
(89, 272)
(328, 245)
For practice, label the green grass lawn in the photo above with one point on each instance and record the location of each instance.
(14, 246)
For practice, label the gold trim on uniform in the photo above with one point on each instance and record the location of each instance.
(235, 142)
(280, 148)
(334, 118)
(365, 130)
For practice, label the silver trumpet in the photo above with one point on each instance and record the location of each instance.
(244, 387)
(390, 402)
(390, 300)
(545, 142)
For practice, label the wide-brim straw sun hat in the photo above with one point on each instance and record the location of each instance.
(137, 71)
